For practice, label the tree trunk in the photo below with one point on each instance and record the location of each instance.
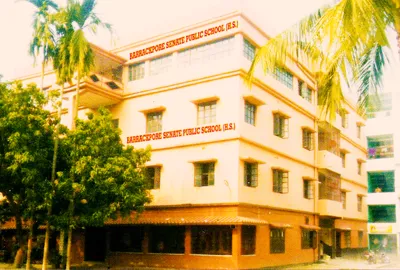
(29, 251)
(19, 256)
(42, 77)
(69, 244)
(53, 178)
(61, 248)
(76, 105)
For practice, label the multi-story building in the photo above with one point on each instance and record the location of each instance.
(382, 169)
(240, 178)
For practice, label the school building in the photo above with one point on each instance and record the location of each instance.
(240, 177)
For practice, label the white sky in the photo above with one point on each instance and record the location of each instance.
(134, 20)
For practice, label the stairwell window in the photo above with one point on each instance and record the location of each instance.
(204, 174)
(343, 157)
(344, 115)
(280, 181)
(359, 203)
(343, 199)
(281, 125)
(250, 174)
(154, 122)
(136, 71)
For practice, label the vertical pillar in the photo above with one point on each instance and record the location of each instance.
(239, 47)
(236, 243)
(188, 241)
(145, 244)
(333, 235)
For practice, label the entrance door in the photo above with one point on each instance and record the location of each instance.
(338, 244)
(95, 244)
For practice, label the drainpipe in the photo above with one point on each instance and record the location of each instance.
(316, 184)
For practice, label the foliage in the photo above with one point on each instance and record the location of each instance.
(345, 41)
(103, 177)
(26, 145)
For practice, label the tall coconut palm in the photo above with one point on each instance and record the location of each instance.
(344, 41)
(79, 17)
(43, 35)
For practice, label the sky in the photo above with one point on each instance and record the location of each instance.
(135, 20)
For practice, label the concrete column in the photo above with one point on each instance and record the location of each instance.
(188, 240)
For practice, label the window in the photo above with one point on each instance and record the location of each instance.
(115, 122)
(343, 157)
(308, 189)
(153, 177)
(204, 174)
(379, 103)
(382, 213)
(347, 239)
(215, 240)
(343, 199)
(345, 118)
(203, 54)
(380, 146)
(305, 92)
(281, 125)
(308, 139)
(359, 131)
(160, 65)
(360, 238)
(308, 239)
(136, 71)
(359, 203)
(167, 239)
(359, 167)
(248, 240)
(250, 113)
(329, 187)
(281, 181)
(206, 113)
(154, 122)
(277, 240)
(250, 174)
(284, 77)
(127, 238)
(249, 50)
(381, 181)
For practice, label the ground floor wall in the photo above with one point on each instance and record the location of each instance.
(217, 237)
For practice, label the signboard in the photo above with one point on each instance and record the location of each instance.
(185, 39)
(380, 228)
(181, 133)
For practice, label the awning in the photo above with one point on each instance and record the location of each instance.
(280, 225)
(342, 228)
(311, 227)
(211, 220)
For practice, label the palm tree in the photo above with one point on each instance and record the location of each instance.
(345, 41)
(43, 35)
(78, 18)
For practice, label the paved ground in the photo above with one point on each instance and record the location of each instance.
(338, 263)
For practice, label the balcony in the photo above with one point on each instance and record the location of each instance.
(329, 161)
(104, 85)
(330, 208)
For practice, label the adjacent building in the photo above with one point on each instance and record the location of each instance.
(383, 172)
(240, 178)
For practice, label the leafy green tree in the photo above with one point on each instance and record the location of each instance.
(345, 41)
(25, 155)
(103, 179)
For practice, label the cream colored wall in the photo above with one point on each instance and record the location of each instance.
(263, 194)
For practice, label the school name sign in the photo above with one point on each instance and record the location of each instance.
(185, 39)
(181, 133)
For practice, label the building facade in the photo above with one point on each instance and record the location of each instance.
(383, 172)
(240, 177)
